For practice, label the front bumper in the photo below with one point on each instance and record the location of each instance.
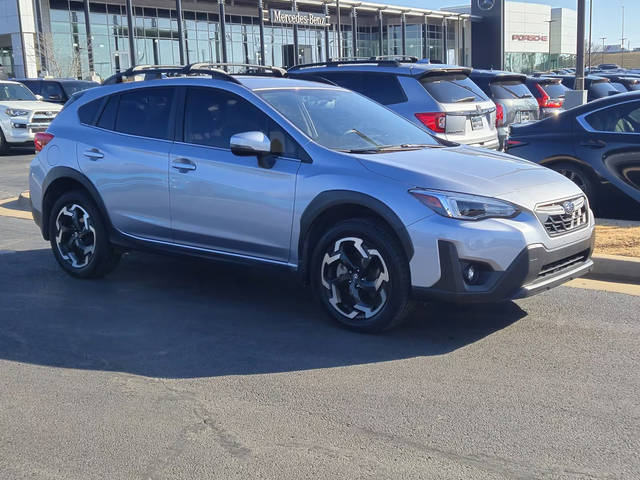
(533, 271)
(19, 131)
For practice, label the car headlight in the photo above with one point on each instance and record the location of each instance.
(15, 112)
(464, 207)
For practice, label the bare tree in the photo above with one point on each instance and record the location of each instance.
(52, 61)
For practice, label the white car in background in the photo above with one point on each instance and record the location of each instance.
(22, 115)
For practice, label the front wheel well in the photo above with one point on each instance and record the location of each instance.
(330, 217)
(550, 163)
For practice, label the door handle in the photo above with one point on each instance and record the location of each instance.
(594, 143)
(183, 164)
(93, 154)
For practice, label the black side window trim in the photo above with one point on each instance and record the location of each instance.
(179, 122)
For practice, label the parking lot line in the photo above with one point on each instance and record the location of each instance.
(589, 284)
(14, 213)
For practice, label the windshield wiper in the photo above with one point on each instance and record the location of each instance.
(464, 99)
(512, 92)
(363, 136)
(391, 148)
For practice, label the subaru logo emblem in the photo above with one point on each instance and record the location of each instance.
(48, 114)
(569, 207)
(486, 4)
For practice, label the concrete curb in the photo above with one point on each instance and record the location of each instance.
(616, 268)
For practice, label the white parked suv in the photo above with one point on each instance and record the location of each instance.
(22, 115)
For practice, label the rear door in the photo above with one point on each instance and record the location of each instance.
(125, 154)
(611, 137)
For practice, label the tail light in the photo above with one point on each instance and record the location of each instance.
(434, 121)
(510, 143)
(41, 139)
(499, 115)
(545, 100)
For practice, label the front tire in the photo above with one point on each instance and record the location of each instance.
(361, 276)
(4, 146)
(79, 238)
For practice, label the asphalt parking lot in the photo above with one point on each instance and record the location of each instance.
(184, 369)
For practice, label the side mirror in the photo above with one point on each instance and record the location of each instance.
(247, 144)
(40, 97)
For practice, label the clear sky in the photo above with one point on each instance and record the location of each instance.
(607, 15)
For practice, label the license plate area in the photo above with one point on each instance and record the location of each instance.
(522, 117)
(476, 122)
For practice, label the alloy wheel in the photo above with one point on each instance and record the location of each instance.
(75, 235)
(355, 278)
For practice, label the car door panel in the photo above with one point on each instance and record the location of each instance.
(226, 202)
(130, 170)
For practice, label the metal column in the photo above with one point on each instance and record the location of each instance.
(327, 47)
(296, 45)
(580, 47)
(39, 36)
(354, 31)
(444, 40)
(425, 37)
(132, 43)
(223, 33)
(381, 36)
(403, 20)
(87, 27)
(180, 30)
(261, 27)
(339, 29)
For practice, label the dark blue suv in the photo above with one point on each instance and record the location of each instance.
(440, 97)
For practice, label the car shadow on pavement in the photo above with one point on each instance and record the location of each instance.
(172, 317)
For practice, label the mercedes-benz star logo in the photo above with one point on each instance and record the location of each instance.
(486, 4)
(569, 207)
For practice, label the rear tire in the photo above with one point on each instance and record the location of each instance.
(361, 276)
(79, 238)
(4, 146)
(581, 177)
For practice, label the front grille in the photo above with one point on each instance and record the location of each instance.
(43, 117)
(564, 216)
(563, 264)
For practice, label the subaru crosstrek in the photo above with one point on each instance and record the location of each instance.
(368, 208)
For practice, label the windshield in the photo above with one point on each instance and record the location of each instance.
(510, 89)
(15, 91)
(343, 120)
(452, 88)
(73, 87)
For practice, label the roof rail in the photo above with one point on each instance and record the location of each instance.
(216, 70)
(393, 60)
(152, 72)
(250, 69)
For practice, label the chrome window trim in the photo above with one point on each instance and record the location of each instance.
(587, 127)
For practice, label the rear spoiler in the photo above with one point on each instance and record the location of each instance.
(510, 77)
(445, 71)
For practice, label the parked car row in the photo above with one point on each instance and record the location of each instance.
(362, 203)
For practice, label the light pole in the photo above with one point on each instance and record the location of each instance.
(549, 39)
(590, 24)
(622, 41)
(603, 39)
(580, 47)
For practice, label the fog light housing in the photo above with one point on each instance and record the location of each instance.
(471, 274)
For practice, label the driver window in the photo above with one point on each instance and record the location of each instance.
(213, 116)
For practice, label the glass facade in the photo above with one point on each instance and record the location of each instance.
(156, 39)
(537, 62)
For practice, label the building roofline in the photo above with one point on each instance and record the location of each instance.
(394, 9)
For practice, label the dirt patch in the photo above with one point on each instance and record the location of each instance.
(615, 240)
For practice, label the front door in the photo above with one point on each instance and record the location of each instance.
(224, 202)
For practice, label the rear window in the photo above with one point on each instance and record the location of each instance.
(555, 90)
(633, 86)
(73, 87)
(619, 86)
(602, 89)
(452, 88)
(87, 112)
(510, 89)
(384, 89)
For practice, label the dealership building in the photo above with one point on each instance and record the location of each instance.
(75, 38)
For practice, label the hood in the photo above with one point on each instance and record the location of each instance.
(473, 170)
(33, 105)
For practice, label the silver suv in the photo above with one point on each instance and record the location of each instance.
(365, 206)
